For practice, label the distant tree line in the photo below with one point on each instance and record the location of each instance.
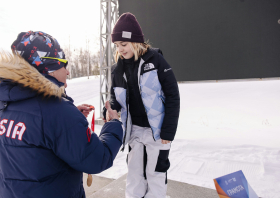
(82, 62)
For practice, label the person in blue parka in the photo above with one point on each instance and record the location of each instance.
(45, 142)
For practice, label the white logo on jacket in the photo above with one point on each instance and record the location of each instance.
(19, 129)
(167, 69)
(149, 66)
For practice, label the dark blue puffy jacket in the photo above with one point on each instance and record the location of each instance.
(45, 144)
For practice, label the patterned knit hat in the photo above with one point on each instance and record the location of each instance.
(40, 50)
(127, 28)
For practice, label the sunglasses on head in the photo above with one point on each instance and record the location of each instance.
(59, 59)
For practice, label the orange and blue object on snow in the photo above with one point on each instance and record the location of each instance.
(234, 185)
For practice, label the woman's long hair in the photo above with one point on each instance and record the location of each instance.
(138, 50)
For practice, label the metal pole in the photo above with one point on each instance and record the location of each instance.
(108, 15)
(109, 55)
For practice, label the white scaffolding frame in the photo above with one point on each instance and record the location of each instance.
(108, 17)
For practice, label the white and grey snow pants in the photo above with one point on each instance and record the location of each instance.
(147, 165)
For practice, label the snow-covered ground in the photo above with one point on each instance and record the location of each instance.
(223, 127)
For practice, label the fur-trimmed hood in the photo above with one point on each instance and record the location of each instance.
(20, 80)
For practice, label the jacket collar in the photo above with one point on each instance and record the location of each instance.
(149, 54)
(120, 67)
(23, 81)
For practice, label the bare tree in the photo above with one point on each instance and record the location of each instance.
(82, 61)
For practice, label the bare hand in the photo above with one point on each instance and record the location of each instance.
(110, 114)
(85, 109)
(165, 141)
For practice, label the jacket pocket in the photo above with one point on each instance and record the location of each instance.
(163, 163)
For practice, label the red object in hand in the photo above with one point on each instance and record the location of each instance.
(92, 121)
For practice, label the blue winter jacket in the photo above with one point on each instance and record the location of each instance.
(45, 142)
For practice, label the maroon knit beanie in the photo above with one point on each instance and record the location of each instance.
(127, 28)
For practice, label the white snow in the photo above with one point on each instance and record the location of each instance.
(223, 127)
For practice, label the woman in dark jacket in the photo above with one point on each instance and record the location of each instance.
(145, 90)
(45, 142)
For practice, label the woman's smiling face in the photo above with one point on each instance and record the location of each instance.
(124, 49)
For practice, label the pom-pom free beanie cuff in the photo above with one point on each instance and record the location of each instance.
(127, 28)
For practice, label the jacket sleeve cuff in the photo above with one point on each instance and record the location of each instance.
(115, 120)
(167, 136)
